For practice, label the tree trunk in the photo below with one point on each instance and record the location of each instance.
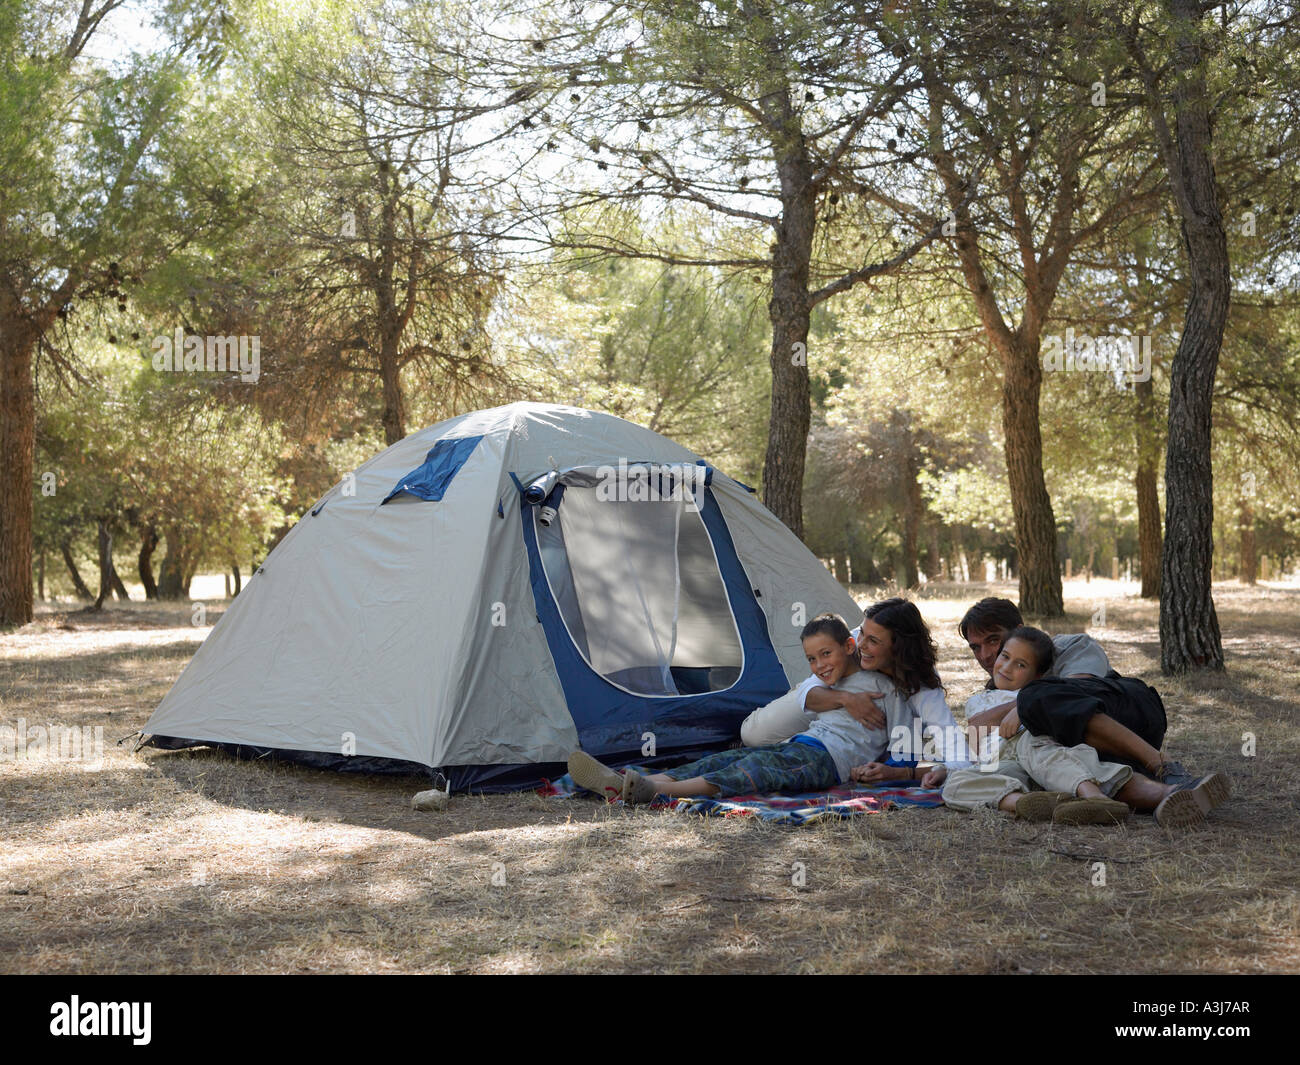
(115, 582)
(913, 506)
(1145, 483)
(1040, 576)
(394, 403)
(840, 569)
(105, 563)
(171, 575)
(148, 541)
(1022, 373)
(238, 580)
(391, 318)
(1248, 571)
(1189, 626)
(17, 458)
(933, 557)
(788, 310)
(865, 570)
(79, 586)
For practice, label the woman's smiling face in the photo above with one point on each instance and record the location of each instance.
(876, 647)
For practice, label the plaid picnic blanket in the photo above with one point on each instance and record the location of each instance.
(838, 803)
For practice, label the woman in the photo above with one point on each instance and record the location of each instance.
(894, 642)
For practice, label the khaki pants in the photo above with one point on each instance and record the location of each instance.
(1026, 760)
(776, 722)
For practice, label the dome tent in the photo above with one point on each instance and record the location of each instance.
(495, 591)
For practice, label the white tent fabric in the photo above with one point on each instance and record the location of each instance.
(408, 630)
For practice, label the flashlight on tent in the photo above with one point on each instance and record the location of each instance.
(551, 507)
(541, 488)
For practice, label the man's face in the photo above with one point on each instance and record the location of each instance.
(984, 646)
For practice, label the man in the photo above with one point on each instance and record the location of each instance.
(986, 624)
(1120, 717)
(991, 619)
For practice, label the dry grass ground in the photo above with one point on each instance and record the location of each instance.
(192, 862)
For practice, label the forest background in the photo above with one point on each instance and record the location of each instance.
(966, 291)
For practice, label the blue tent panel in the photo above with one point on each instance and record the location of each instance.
(430, 480)
(611, 723)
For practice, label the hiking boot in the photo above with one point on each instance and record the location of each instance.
(595, 776)
(1211, 790)
(1178, 809)
(636, 789)
(1190, 801)
(1039, 805)
(1094, 811)
(1172, 773)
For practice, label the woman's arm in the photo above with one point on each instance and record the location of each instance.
(878, 773)
(861, 705)
(930, 705)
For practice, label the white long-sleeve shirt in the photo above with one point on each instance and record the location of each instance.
(989, 699)
(931, 714)
(846, 739)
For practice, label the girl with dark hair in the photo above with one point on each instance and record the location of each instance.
(1080, 788)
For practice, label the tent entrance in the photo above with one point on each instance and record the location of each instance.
(638, 587)
(655, 628)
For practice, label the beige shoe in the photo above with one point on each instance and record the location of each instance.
(1091, 812)
(595, 776)
(1190, 801)
(1039, 805)
(636, 789)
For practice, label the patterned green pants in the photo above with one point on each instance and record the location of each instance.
(789, 767)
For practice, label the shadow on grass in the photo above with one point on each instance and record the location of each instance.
(54, 682)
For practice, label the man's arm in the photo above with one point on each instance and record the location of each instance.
(984, 723)
(991, 717)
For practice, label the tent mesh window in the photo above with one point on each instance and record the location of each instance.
(638, 587)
